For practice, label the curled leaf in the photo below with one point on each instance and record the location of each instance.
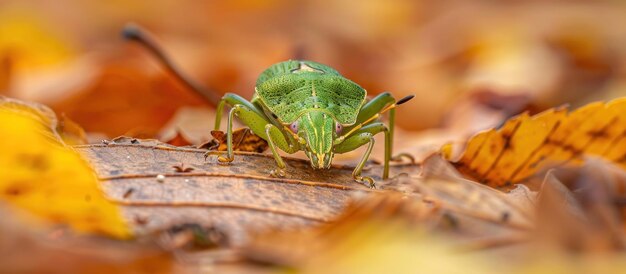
(243, 140)
(441, 184)
(525, 144)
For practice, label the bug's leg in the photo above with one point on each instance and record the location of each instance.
(229, 136)
(272, 133)
(370, 113)
(259, 124)
(373, 107)
(365, 135)
(232, 99)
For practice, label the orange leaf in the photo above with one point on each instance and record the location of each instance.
(525, 144)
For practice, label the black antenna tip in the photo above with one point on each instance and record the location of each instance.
(405, 99)
(131, 32)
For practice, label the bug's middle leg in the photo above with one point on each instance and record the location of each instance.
(362, 136)
(368, 115)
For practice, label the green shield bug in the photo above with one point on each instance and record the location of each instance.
(302, 106)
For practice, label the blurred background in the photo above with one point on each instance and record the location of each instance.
(471, 64)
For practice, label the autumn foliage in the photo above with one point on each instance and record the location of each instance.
(511, 156)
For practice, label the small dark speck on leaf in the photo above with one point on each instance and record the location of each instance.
(505, 217)
(451, 220)
(128, 193)
(140, 220)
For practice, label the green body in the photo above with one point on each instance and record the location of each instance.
(304, 105)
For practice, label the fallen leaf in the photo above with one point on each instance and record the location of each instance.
(441, 184)
(51, 181)
(590, 212)
(243, 140)
(237, 197)
(525, 144)
(42, 114)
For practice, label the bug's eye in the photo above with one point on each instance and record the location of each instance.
(338, 128)
(294, 127)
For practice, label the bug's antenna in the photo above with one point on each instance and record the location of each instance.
(135, 33)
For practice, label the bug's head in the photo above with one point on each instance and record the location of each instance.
(319, 130)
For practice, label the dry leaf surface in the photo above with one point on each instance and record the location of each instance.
(241, 196)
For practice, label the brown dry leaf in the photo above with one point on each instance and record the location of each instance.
(441, 184)
(525, 144)
(587, 200)
(243, 140)
(592, 222)
(236, 197)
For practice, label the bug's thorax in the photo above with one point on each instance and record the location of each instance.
(305, 67)
(318, 129)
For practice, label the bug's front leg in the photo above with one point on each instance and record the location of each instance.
(365, 135)
(259, 124)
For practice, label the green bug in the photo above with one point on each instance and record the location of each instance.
(304, 105)
(308, 106)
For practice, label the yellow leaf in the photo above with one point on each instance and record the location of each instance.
(51, 181)
(42, 115)
(525, 145)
